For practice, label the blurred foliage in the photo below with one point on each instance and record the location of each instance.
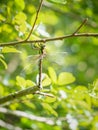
(71, 78)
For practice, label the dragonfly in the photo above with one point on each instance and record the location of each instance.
(32, 60)
(42, 55)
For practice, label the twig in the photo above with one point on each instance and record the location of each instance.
(49, 39)
(49, 121)
(9, 126)
(85, 20)
(12, 96)
(34, 20)
(44, 94)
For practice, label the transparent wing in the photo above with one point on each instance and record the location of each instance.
(57, 57)
(30, 63)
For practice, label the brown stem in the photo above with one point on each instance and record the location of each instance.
(34, 20)
(85, 20)
(49, 39)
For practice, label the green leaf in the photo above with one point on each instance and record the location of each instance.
(2, 18)
(49, 109)
(23, 27)
(52, 75)
(1, 90)
(10, 50)
(20, 4)
(65, 78)
(58, 1)
(82, 104)
(95, 84)
(14, 107)
(80, 92)
(95, 102)
(46, 80)
(20, 18)
(3, 62)
(21, 81)
(88, 100)
(50, 99)
(29, 83)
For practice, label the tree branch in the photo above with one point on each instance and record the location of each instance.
(8, 126)
(49, 39)
(49, 121)
(30, 90)
(34, 20)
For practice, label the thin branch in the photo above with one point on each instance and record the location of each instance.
(49, 121)
(34, 20)
(44, 94)
(49, 39)
(12, 96)
(85, 20)
(8, 126)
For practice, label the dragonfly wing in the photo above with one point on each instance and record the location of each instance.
(30, 64)
(57, 58)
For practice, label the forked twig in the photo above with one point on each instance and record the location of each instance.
(85, 20)
(44, 40)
